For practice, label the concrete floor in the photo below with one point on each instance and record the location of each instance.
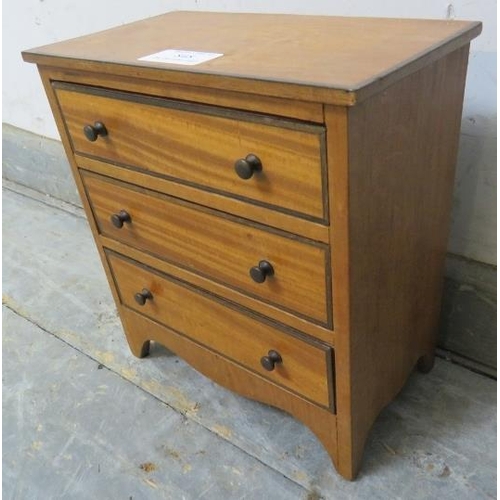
(83, 418)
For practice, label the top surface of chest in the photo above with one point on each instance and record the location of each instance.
(331, 53)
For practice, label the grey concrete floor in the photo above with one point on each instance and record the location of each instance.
(83, 418)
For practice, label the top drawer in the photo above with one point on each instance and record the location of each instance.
(199, 145)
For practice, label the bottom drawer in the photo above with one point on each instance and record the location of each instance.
(304, 366)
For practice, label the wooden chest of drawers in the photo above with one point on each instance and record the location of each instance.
(276, 215)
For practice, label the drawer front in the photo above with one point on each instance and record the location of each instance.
(215, 246)
(306, 368)
(189, 143)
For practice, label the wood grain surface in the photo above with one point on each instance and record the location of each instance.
(301, 55)
(402, 156)
(336, 120)
(304, 369)
(216, 246)
(199, 145)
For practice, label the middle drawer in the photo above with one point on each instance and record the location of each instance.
(225, 249)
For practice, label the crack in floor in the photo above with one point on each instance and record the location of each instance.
(44, 199)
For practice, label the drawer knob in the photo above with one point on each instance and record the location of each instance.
(92, 132)
(262, 271)
(245, 167)
(268, 362)
(118, 219)
(141, 297)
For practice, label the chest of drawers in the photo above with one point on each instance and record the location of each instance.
(277, 215)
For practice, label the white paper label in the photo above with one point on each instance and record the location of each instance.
(184, 57)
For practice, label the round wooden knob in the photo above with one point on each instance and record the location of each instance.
(269, 362)
(245, 167)
(92, 132)
(142, 296)
(262, 271)
(118, 219)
